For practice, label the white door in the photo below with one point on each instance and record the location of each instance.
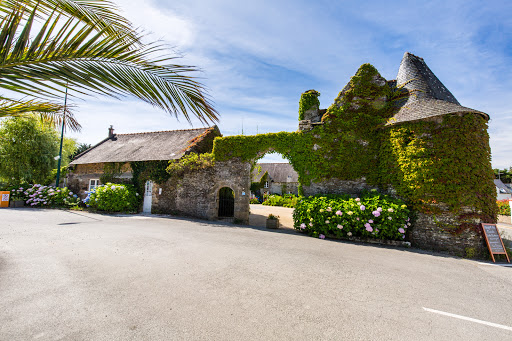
(148, 197)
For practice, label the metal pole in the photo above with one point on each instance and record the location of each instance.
(61, 138)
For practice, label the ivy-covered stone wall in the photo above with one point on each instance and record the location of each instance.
(440, 166)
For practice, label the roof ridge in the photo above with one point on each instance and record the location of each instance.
(162, 131)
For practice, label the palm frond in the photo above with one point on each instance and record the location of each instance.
(50, 113)
(99, 14)
(86, 60)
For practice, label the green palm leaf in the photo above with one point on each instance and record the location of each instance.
(50, 113)
(68, 52)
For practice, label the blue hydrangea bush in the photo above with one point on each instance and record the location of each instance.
(45, 196)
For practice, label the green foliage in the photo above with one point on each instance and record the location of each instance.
(69, 146)
(372, 215)
(79, 149)
(112, 172)
(287, 200)
(504, 174)
(355, 127)
(50, 179)
(448, 162)
(273, 217)
(308, 100)
(148, 170)
(114, 198)
(27, 150)
(503, 207)
(254, 201)
(436, 165)
(189, 163)
(50, 46)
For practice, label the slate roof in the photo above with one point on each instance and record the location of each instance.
(502, 187)
(428, 97)
(149, 146)
(278, 172)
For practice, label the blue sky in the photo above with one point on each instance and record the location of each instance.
(257, 57)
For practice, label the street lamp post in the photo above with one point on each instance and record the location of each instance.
(61, 138)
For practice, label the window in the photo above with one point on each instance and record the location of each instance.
(266, 184)
(93, 183)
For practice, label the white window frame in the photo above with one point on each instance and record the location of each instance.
(265, 185)
(96, 184)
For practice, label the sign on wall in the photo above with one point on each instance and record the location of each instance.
(494, 241)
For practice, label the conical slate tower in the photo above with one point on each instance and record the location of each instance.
(428, 97)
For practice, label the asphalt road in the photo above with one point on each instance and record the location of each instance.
(80, 276)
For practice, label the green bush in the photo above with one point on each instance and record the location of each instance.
(372, 215)
(288, 200)
(254, 201)
(503, 207)
(113, 198)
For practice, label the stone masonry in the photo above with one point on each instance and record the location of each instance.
(197, 193)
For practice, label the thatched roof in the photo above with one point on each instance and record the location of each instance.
(150, 146)
(278, 172)
(428, 97)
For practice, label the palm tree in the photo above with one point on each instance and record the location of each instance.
(85, 46)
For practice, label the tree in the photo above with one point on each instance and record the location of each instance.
(79, 149)
(27, 150)
(85, 46)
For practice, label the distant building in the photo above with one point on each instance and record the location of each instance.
(502, 190)
(278, 178)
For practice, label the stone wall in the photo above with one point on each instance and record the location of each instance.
(336, 186)
(197, 193)
(443, 232)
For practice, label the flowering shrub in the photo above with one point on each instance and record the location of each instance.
(287, 200)
(503, 207)
(113, 198)
(49, 196)
(372, 215)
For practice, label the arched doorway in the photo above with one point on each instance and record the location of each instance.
(226, 203)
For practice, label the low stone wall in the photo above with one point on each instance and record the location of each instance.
(440, 232)
(197, 193)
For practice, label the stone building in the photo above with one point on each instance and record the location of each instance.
(280, 179)
(208, 194)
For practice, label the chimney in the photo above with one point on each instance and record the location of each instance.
(111, 132)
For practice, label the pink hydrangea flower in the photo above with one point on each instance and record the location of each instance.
(362, 208)
(401, 230)
(329, 209)
(389, 218)
(379, 209)
(340, 226)
(339, 213)
(302, 226)
(357, 199)
(327, 221)
(370, 221)
(357, 218)
(311, 224)
(321, 236)
(376, 213)
(368, 227)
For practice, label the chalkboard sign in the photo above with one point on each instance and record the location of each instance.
(494, 242)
